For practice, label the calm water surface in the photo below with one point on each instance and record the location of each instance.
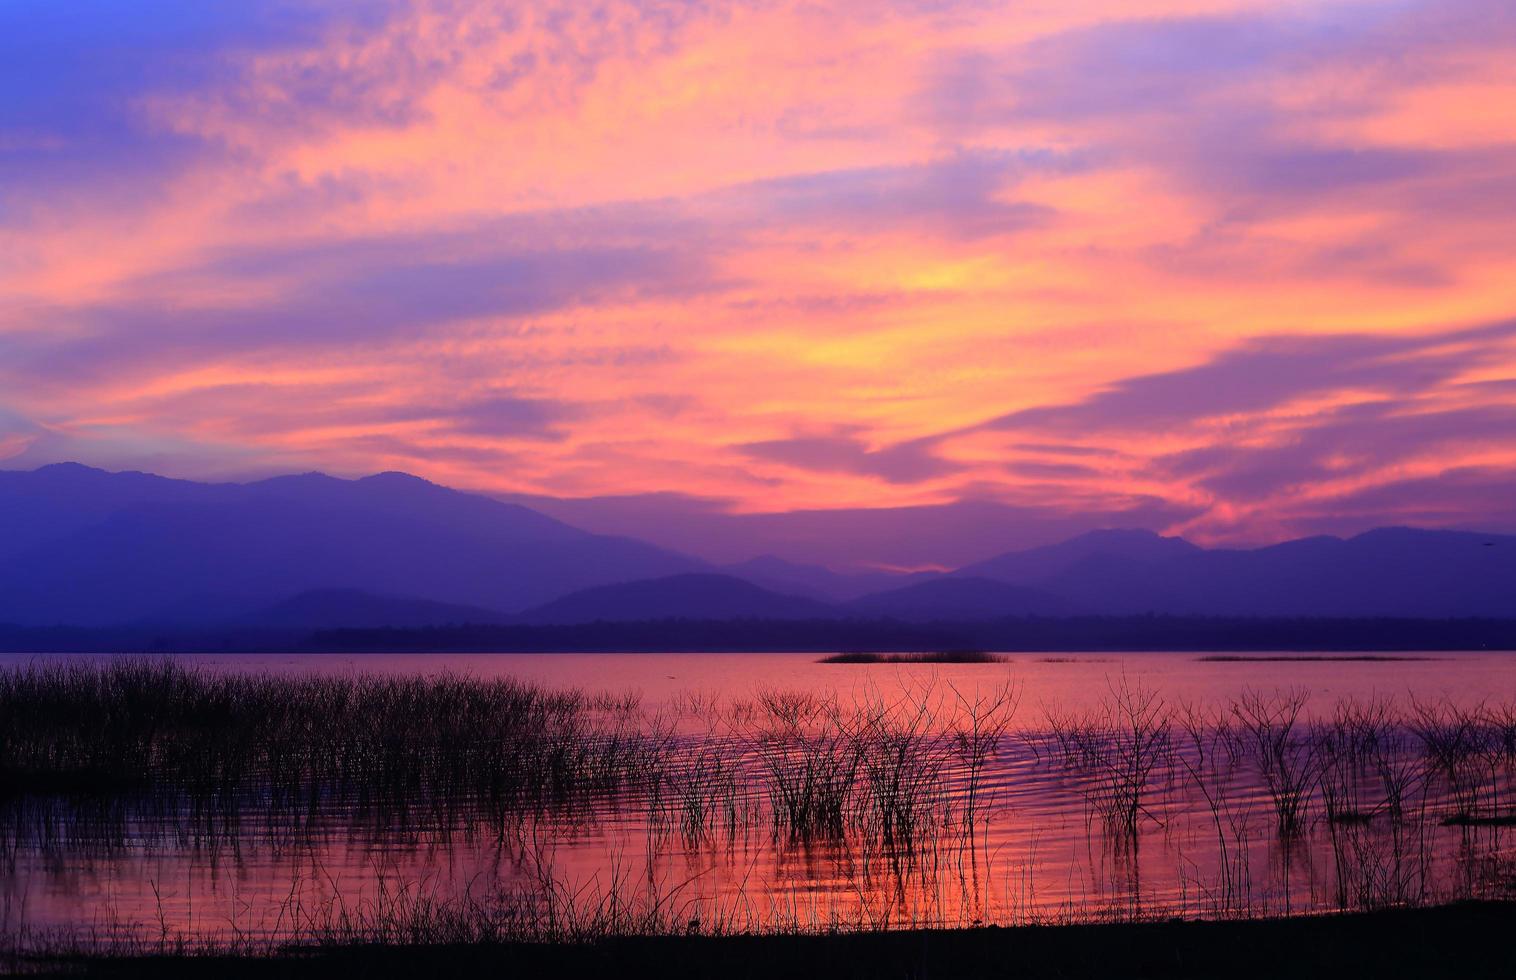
(1206, 840)
(1073, 679)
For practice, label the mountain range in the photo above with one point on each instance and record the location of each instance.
(84, 547)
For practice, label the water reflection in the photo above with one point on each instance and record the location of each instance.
(157, 802)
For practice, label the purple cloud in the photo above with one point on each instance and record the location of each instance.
(75, 76)
(902, 463)
(957, 195)
(946, 535)
(1345, 442)
(373, 294)
(1268, 372)
(1474, 498)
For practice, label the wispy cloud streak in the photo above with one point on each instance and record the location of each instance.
(1249, 262)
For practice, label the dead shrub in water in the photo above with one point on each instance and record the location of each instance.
(1117, 748)
(1462, 750)
(1077, 740)
(876, 782)
(1347, 746)
(1209, 757)
(1360, 750)
(1502, 721)
(980, 724)
(793, 709)
(1138, 737)
(1271, 732)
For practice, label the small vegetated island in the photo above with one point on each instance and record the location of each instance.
(938, 657)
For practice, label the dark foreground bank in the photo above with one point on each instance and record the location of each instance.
(1468, 940)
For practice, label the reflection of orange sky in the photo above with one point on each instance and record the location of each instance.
(840, 319)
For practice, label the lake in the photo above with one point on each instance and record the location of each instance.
(771, 791)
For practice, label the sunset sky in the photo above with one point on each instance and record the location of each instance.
(1236, 270)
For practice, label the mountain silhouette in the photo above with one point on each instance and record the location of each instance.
(1385, 572)
(815, 581)
(1389, 571)
(690, 596)
(961, 598)
(82, 547)
(350, 608)
(102, 548)
(1040, 564)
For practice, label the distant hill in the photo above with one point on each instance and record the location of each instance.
(946, 599)
(1386, 572)
(816, 581)
(84, 547)
(351, 609)
(693, 596)
(51, 503)
(1044, 563)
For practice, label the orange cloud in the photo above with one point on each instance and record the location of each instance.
(779, 255)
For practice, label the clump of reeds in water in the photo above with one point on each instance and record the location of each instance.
(903, 761)
(699, 790)
(1116, 747)
(873, 770)
(810, 761)
(225, 744)
(939, 657)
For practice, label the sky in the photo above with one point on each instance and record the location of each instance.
(1236, 270)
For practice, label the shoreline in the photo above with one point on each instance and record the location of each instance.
(1012, 635)
(1465, 940)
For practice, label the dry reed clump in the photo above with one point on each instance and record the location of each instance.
(879, 770)
(810, 757)
(700, 790)
(157, 729)
(902, 799)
